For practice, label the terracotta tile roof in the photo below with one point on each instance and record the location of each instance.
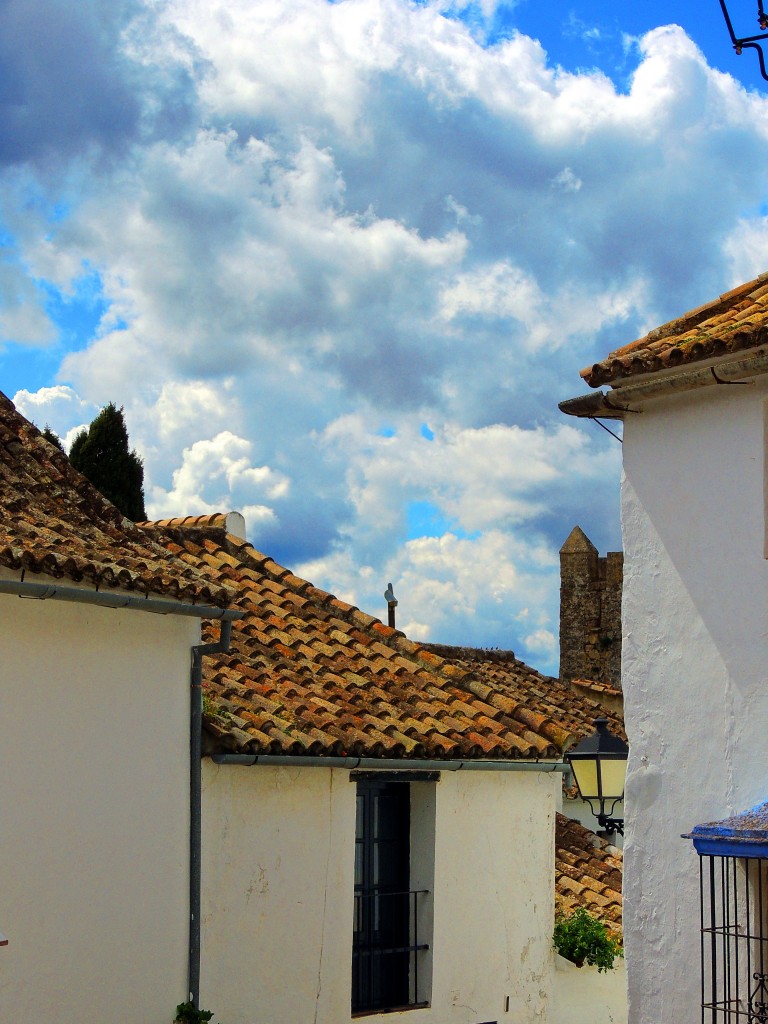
(553, 706)
(310, 674)
(588, 873)
(55, 522)
(591, 686)
(736, 321)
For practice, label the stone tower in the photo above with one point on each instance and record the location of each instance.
(590, 611)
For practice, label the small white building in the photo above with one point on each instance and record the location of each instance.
(94, 747)
(378, 820)
(692, 396)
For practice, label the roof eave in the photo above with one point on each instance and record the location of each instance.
(616, 403)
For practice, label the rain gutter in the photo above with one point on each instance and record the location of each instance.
(55, 592)
(616, 403)
(387, 763)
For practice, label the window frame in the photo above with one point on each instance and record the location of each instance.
(392, 924)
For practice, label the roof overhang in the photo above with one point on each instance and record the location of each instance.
(623, 399)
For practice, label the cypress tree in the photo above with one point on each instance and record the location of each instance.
(54, 438)
(101, 453)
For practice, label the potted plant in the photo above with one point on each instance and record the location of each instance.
(583, 939)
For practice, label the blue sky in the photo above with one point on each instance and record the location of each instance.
(593, 33)
(340, 261)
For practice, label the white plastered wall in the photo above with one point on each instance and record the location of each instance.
(584, 995)
(278, 858)
(94, 812)
(695, 667)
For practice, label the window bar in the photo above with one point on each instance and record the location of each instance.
(737, 995)
(714, 940)
(748, 901)
(759, 978)
(701, 920)
(726, 938)
(415, 955)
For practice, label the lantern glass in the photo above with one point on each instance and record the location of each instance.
(614, 774)
(585, 774)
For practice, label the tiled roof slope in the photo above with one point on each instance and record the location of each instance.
(309, 674)
(588, 873)
(541, 698)
(54, 521)
(736, 321)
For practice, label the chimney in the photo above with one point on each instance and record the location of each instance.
(389, 594)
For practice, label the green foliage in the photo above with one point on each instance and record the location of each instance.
(101, 453)
(582, 939)
(210, 708)
(55, 440)
(186, 1013)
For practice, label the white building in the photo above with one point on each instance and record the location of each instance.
(324, 728)
(94, 747)
(692, 395)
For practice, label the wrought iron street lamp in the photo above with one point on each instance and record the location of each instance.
(741, 43)
(599, 766)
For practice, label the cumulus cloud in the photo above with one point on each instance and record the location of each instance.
(217, 474)
(350, 260)
(71, 85)
(58, 405)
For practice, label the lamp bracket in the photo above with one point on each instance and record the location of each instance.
(741, 43)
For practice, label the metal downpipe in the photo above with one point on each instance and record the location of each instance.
(199, 651)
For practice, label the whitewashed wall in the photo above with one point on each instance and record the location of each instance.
(584, 995)
(94, 763)
(278, 884)
(695, 667)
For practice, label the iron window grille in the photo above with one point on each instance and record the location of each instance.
(734, 939)
(387, 973)
(388, 940)
(733, 899)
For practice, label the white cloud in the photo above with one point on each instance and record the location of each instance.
(58, 407)
(363, 221)
(566, 181)
(216, 476)
(541, 642)
(747, 249)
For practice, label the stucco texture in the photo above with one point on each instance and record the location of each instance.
(584, 995)
(694, 667)
(278, 884)
(94, 763)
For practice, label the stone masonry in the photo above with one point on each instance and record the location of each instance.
(590, 611)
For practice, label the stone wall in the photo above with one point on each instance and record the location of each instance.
(590, 611)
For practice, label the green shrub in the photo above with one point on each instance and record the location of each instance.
(582, 939)
(186, 1013)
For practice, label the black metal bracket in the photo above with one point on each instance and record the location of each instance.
(719, 380)
(611, 824)
(749, 42)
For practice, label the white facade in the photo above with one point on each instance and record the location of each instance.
(278, 883)
(695, 666)
(584, 995)
(94, 812)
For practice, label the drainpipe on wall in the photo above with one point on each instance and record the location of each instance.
(199, 651)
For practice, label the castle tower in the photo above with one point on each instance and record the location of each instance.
(590, 611)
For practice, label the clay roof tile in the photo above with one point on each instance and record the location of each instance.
(734, 322)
